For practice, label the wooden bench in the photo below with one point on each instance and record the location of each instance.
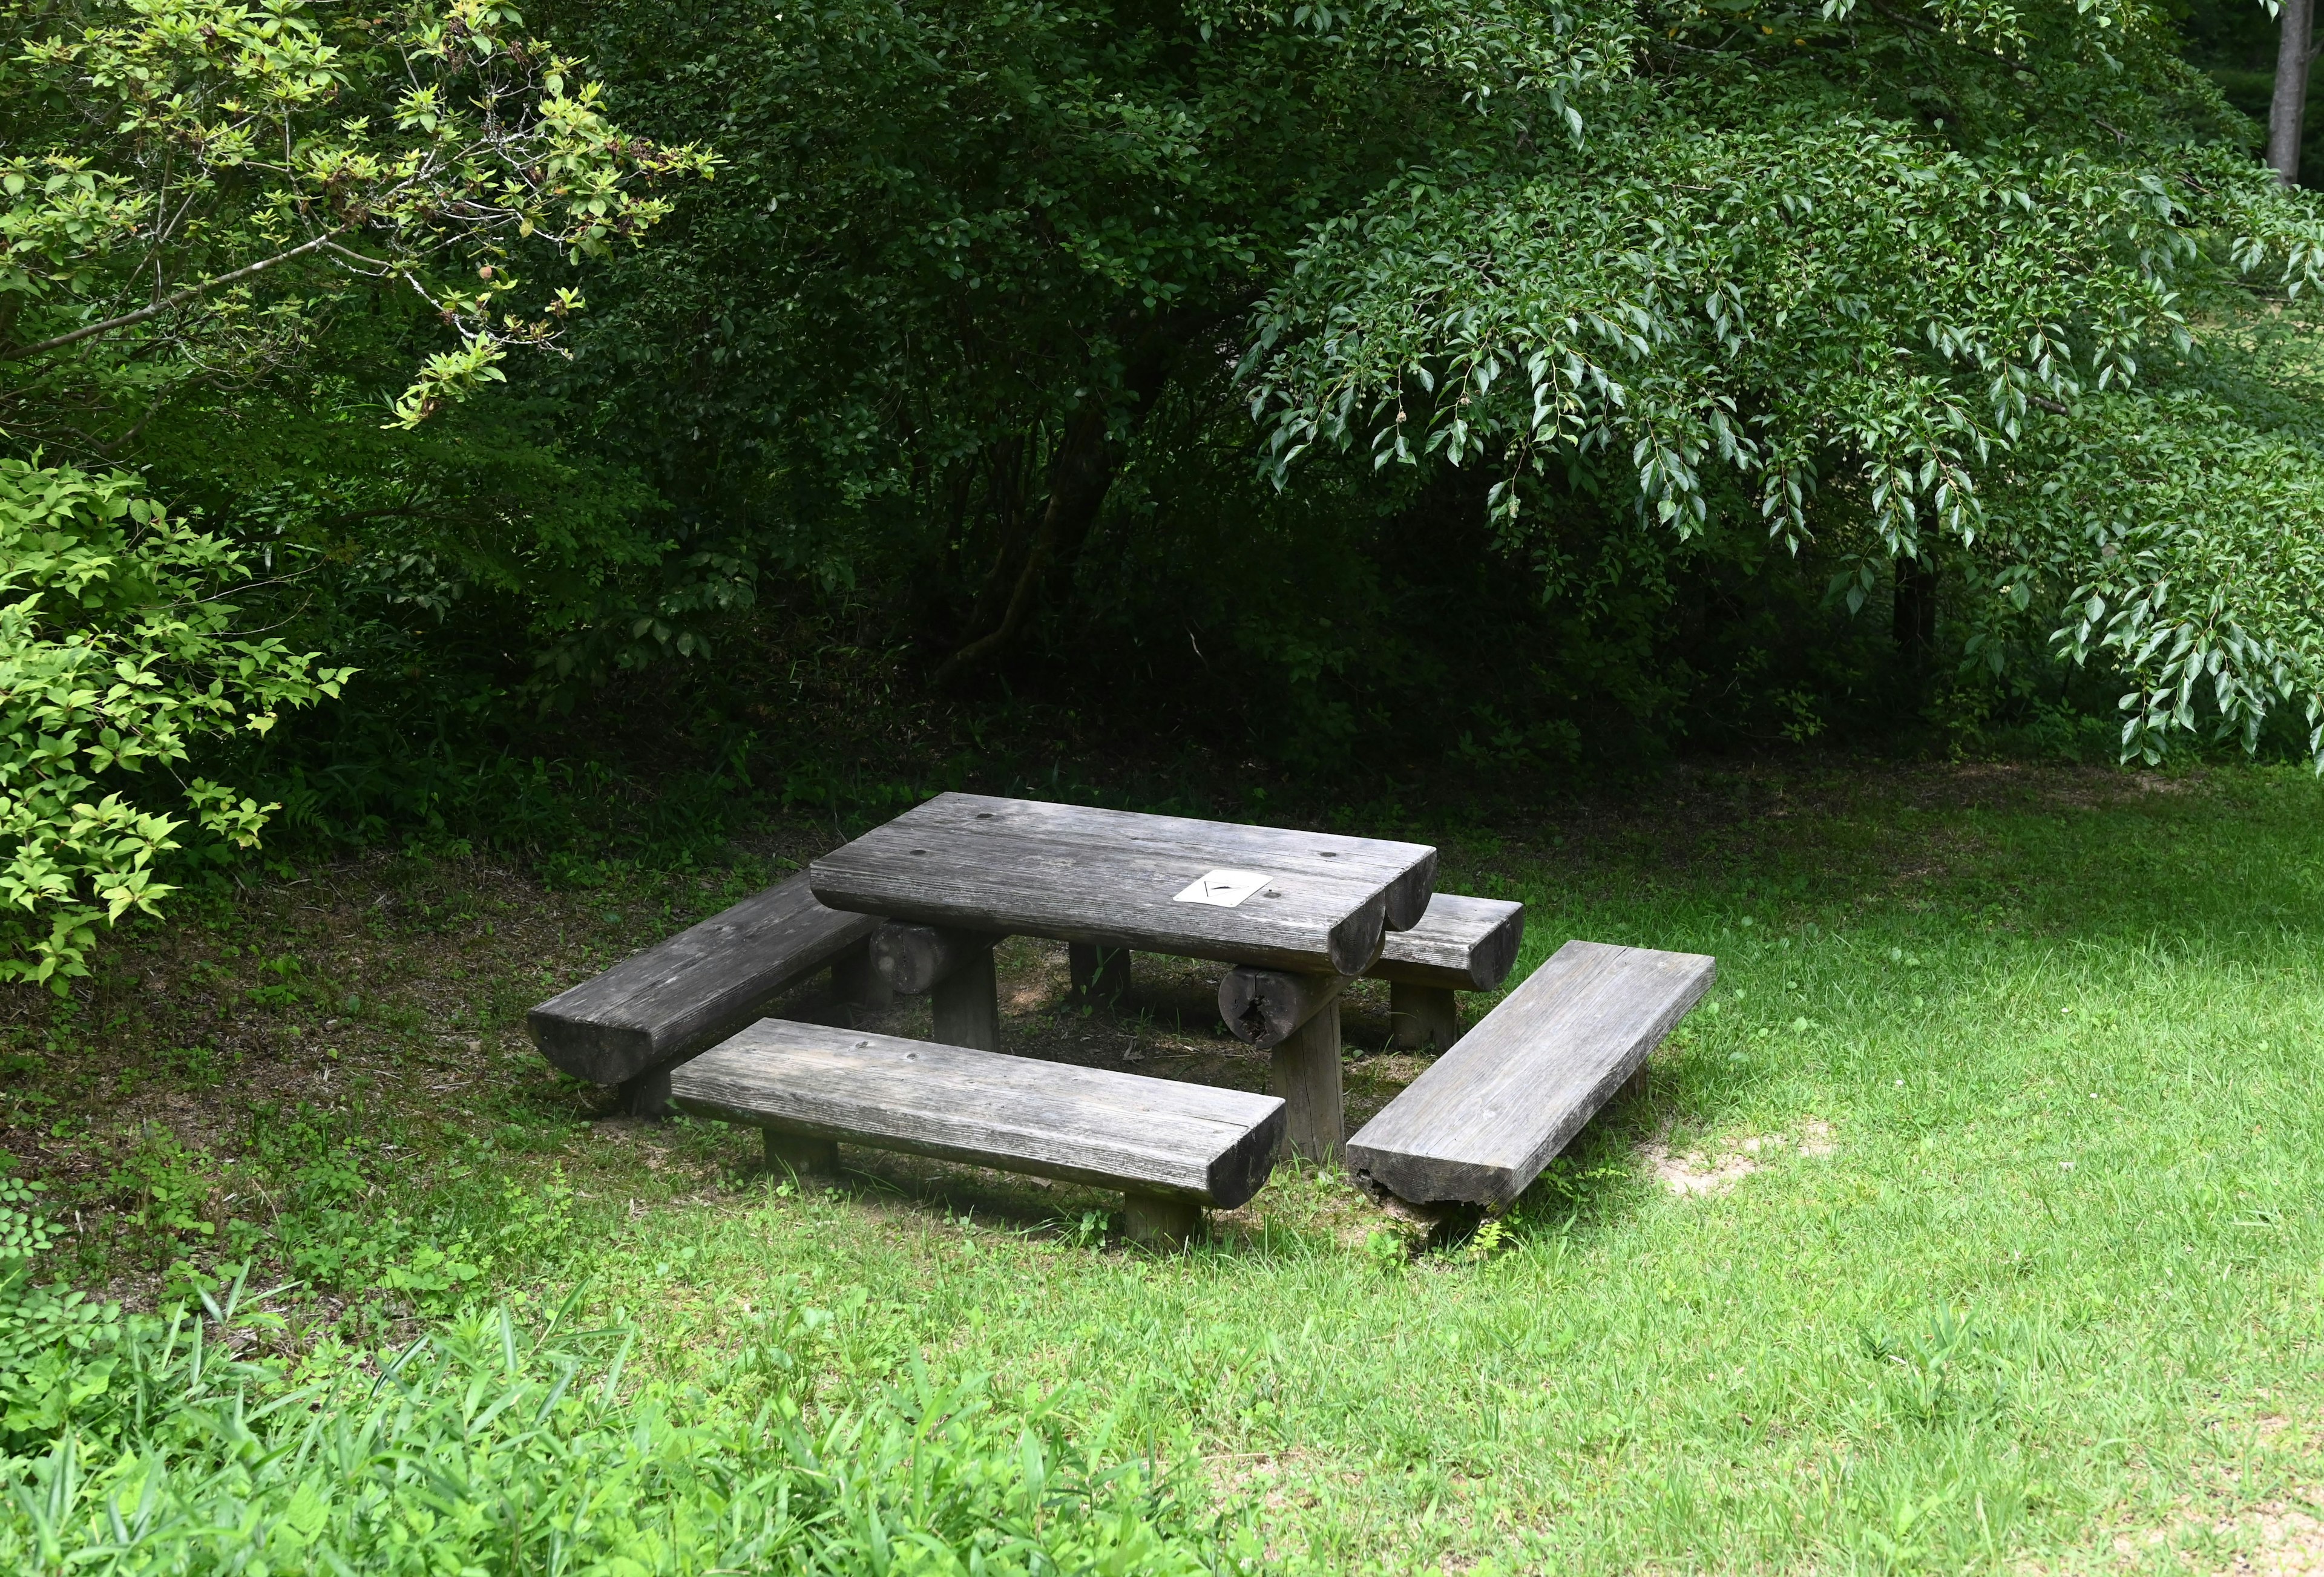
(1170, 1147)
(1460, 945)
(1481, 1122)
(630, 1025)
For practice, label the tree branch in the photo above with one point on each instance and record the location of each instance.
(1084, 471)
(90, 330)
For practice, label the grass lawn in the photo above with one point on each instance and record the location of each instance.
(1972, 1222)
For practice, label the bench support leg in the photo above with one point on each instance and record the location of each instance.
(1423, 1015)
(859, 984)
(795, 1152)
(967, 1004)
(1165, 1225)
(1100, 974)
(1307, 1076)
(645, 1094)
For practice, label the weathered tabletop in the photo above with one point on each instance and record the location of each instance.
(1310, 902)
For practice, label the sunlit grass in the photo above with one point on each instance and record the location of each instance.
(2060, 1271)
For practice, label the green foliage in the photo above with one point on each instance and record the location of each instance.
(947, 346)
(118, 655)
(163, 1194)
(1868, 277)
(1768, 372)
(2206, 576)
(53, 1342)
(189, 184)
(959, 252)
(193, 195)
(486, 1447)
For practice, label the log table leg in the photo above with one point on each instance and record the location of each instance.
(1162, 1224)
(955, 967)
(858, 981)
(1100, 974)
(1422, 1015)
(1305, 1075)
(1299, 1015)
(798, 1154)
(967, 1004)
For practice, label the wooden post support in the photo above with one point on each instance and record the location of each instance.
(955, 967)
(645, 1094)
(1422, 1015)
(796, 1153)
(1305, 1076)
(1165, 1223)
(967, 1004)
(1299, 1015)
(858, 981)
(1100, 974)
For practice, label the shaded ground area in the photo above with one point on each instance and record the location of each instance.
(404, 981)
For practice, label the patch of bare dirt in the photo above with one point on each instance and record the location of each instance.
(2276, 1538)
(2281, 1538)
(1708, 1172)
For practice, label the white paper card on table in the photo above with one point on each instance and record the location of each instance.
(1226, 888)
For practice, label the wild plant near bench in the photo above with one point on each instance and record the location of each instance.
(491, 1447)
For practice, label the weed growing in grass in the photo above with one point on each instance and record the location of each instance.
(140, 1444)
(488, 1446)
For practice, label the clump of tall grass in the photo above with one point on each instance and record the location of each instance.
(487, 1447)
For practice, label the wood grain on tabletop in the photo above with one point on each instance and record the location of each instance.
(1078, 875)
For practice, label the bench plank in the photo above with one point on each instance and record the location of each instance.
(1462, 943)
(1110, 879)
(695, 988)
(1486, 1117)
(1147, 1137)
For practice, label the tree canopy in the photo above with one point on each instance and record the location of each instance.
(1575, 361)
(1884, 278)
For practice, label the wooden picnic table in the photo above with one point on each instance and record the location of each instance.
(1300, 912)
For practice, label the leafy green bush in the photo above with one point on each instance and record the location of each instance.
(117, 652)
(190, 186)
(52, 1341)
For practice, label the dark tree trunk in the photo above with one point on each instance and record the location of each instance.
(1080, 474)
(2287, 110)
(1082, 468)
(1914, 620)
(1005, 493)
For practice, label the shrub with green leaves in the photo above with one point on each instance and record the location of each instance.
(190, 188)
(53, 1340)
(118, 654)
